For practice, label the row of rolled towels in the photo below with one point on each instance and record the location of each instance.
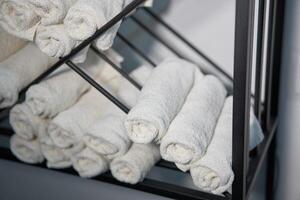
(58, 26)
(180, 115)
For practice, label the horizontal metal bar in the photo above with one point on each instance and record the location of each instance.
(148, 185)
(116, 67)
(256, 163)
(188, 43)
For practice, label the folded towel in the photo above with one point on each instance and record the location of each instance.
(213, 171)
(55, 156)
(68, 127)
(58, 158)
(56, 94)
(51, 11)
(136, 163)
(108, 136)
(54, 41)
(9, 44)
(19, 70)
(18, 18)
(128, 93)
(160, 100)
(192, 129)
(89, 164)
(28, 151)
(86, 16)
(25, 123)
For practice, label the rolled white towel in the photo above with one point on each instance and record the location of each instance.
(54, 41)
(68, 127)
(55, 156)
(9, 44)
(86, 16)
(28, 151)
(18, 18)
(108, 136)
(192, 129)
(136, 163)
(160, 100)
(56, 94)
(25, 123)
(89, 164)
(51, 11)
(213, 172)
(58, 158)
(19, 70)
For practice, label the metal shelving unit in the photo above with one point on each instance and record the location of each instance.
(246, 167)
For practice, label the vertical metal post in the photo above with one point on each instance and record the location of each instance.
(273, 88)
(269, 65)
(245, 10)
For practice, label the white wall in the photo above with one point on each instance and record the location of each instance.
(289, 126)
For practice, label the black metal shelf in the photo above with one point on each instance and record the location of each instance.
(246, 168)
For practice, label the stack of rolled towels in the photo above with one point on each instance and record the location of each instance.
(58, 26)
(180, 115)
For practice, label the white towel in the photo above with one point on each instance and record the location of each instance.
(108, 136)
(9, 44)
(19, 70)
(56, 94)
(58, 158)
(213, 172)
(54, 41)
(87, 16)
(25, 123)
(18, 18)
(28, 151)
(51, 11)
(136, 163)
(89, 164)
(160, 100)
(68, 127)
(192, 129)
(54, 155)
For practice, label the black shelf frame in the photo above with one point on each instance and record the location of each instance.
(246, 168)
